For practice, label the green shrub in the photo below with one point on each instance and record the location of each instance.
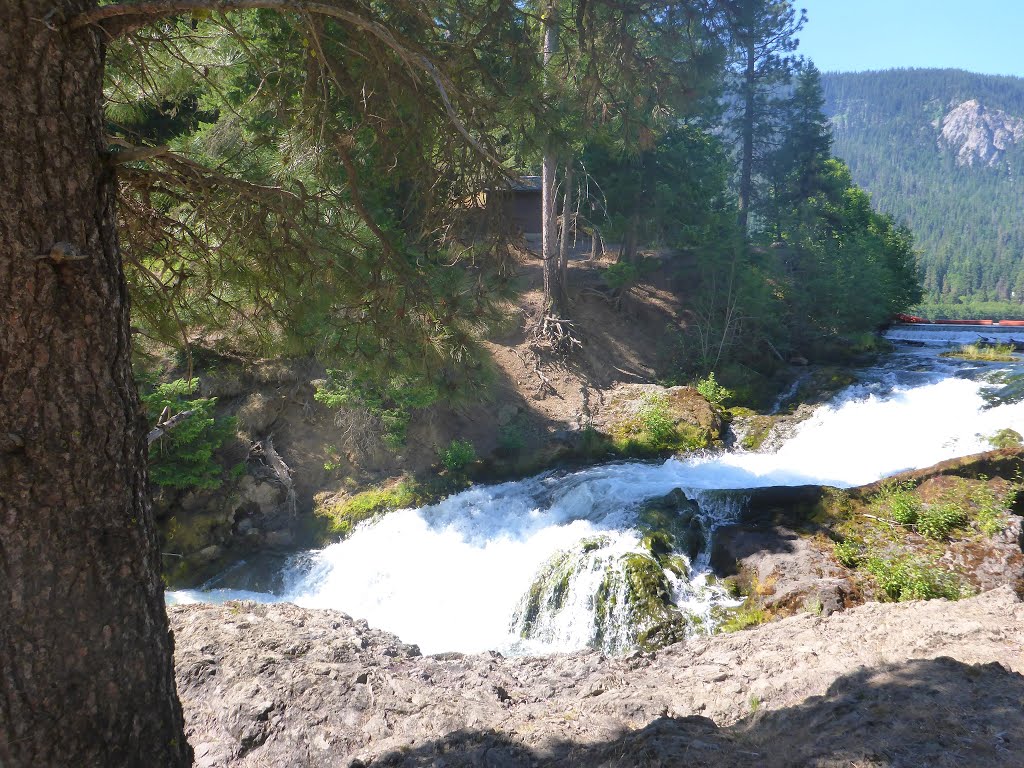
(712, 391)
(903, 577)
(848, 553)
(1006, 438)
(511, 439)
(939, 520)
(989, 509)
(184, 456)
(458, 455)
(621, 275)
(899, 502)
(391, 402)
(652, 430)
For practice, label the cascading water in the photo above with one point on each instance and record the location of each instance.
(568, 560)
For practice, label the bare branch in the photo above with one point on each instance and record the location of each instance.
(164, 427)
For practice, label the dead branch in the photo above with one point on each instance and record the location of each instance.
(165, 425)
(556, 334)
(892, 523)
(281, 470)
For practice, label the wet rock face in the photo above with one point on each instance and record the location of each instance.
(672, 523)
(926, 683)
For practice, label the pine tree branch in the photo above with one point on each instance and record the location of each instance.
(120, 18)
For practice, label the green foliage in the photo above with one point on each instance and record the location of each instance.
(848, 553)
(185, 456)
(987, 508)
(937, 521)
(1006, 438)
(905, 577)
(986, 352)
(652, 430)
(340, 519)
(712, 391)
(457, 455)
(899, 502)
(620, 275)
(300, 211)
(391, 402)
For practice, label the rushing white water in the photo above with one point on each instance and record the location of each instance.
(454, 576)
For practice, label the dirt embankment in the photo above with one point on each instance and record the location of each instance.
(914, 684)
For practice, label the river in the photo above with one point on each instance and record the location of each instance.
(459, 575)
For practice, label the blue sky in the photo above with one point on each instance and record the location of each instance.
(854, 35)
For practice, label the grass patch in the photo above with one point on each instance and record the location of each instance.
(652, 431)
(745, 616)
(340, 519)
(992, 353)
(906, 577)
(878, 538)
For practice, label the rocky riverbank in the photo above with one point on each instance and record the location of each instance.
(922, 683)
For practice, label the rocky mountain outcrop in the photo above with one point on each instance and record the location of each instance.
(978, 135)
(925, 683)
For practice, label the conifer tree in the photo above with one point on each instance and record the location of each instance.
(763, 34)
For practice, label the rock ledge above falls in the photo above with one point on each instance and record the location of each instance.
(277, 685)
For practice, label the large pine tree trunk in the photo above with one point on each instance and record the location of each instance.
(86, 674)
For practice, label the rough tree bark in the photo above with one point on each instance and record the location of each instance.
(86, 671)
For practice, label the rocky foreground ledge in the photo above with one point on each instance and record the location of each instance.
(913, 684)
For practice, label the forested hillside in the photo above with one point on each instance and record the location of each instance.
(941, 150)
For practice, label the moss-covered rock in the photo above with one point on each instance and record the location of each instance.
(671, 523)
(634, 606)
(647, 420)
(338, 518)
(631, 596)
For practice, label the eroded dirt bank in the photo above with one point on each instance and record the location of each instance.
(913, 684)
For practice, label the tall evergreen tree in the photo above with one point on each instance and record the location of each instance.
(794, 170)
(763, 41)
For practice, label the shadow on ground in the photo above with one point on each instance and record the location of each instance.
(938, 712)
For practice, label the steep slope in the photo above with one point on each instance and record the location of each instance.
(942, 150)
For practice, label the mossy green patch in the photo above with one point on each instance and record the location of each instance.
(998, 353)
(1006, 438)
(341, 518)
(651, 431)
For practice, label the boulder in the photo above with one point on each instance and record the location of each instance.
(781, 570)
